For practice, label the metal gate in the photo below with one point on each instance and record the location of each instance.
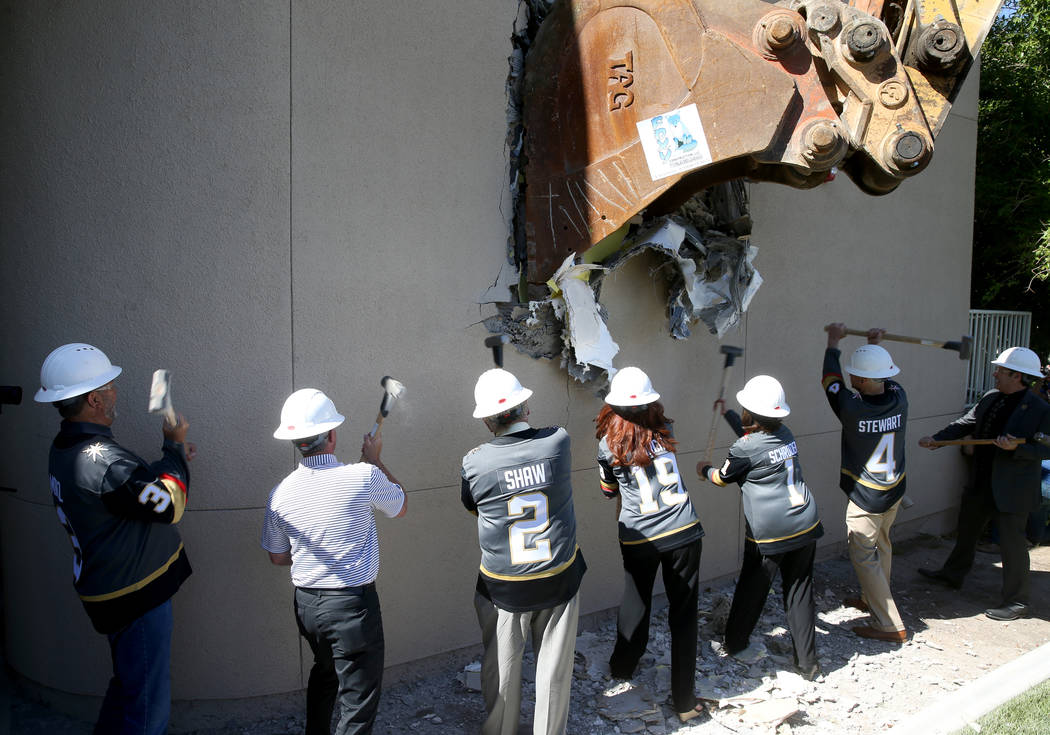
(993, 331)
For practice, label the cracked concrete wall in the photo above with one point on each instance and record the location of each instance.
(268, 195)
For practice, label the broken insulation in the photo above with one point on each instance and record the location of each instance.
(711, 277)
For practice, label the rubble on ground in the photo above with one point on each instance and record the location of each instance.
(867, 686)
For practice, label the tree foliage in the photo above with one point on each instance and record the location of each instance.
(1011, 246)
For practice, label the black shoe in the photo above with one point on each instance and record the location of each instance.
(1009, 611)
(939, 575)
(811, 673)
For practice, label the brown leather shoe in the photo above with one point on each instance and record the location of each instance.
(856, 603)
(690, 714)
(891, 636)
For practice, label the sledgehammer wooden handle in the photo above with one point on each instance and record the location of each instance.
(898, 338)
(968, 442)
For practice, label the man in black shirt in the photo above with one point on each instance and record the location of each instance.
(1005, 480)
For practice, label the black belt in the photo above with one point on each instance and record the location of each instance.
(337, 591)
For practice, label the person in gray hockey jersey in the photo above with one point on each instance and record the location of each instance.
(873, 424)
(782, 522)
(519, 486)
(657, 527)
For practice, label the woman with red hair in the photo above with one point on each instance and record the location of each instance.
(658, 527)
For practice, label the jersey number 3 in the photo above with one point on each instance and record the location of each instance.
(521, 552)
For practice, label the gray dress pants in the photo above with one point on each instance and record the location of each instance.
(503, 634)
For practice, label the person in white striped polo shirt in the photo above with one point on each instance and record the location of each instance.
(320, 521)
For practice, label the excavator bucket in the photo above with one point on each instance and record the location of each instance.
(634, 105)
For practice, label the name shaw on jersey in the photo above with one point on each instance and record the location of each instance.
(781, 454)
(879, 426)
(526, 476)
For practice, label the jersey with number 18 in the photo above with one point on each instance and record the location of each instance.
(655, 507)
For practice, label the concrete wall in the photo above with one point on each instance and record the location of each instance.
(263, 196)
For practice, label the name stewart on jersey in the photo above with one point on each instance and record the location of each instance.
(526, 477)
(880, 426)
(782, 453)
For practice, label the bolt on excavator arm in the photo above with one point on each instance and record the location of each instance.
(639, 104)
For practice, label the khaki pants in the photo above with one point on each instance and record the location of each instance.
(503, 634)
(871, 553)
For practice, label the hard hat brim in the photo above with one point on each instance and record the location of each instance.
(283, 432)
(1017, 369)
(872, 373)
(50, 396)
(484, 411)
(777, 412)
(642, 399)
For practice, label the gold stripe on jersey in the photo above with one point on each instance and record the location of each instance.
(609, 486)
(137, 585)
(716, 477)
(783, 538)
(538, 575)
(659, 535)
(178, 496)
(828, 380)
(872, 485)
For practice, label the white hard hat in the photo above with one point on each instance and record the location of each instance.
(497, 391)
(871, 361)
(631, 387)
(73, 370)
(307, 412)
(1020, 359)
(764, 396)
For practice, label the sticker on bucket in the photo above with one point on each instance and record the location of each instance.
(674, 142)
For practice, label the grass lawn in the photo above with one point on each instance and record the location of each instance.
(1028, 714)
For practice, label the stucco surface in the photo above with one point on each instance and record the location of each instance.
(266, 196)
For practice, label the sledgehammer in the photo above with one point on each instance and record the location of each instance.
(160, 396)
(964, 346)
(496, 342)
(392, 390)
(731, 353)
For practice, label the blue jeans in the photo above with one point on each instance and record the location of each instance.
(138, 700)
(345, 631)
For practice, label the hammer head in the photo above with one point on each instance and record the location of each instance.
(160, 395)
(496, 342)
(392, 390)
(964, 346)
(731, 353)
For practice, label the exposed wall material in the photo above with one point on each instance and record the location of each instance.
(711, 279)
(710, 275)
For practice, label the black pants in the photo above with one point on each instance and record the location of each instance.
(682, 583)
(974, 511)
(345, 631)
(752, 588)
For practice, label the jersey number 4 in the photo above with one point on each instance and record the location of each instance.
(521, 552)
(666, 471)
(881, 460)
